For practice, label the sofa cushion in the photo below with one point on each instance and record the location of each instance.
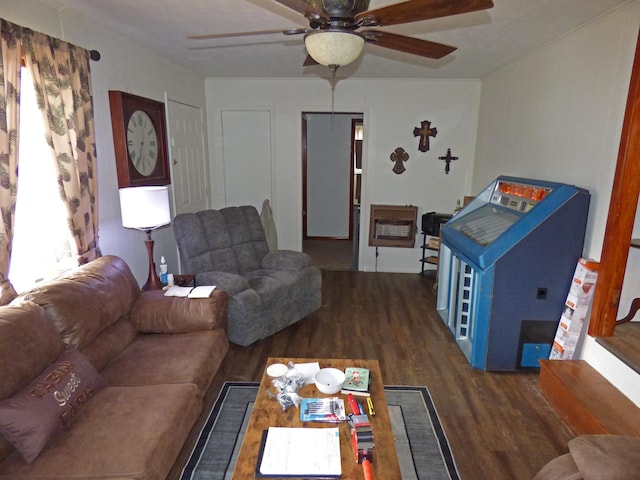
(124, 432)
(229, 282)
(560, 468)
(205, 242)
(165, 358)
(28, 342)
(247, 236)
(88, 300)
(155, 313)
(601, 457)
(286, 260)
(30, 418)
(110, 342)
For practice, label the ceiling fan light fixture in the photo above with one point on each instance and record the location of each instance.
(334, 47)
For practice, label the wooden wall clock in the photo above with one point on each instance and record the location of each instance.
(140, 140)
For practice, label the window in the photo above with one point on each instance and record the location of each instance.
(42, 243)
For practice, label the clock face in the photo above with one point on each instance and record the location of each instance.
(139, 140)
(142, 142)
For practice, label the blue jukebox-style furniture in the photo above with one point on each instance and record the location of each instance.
(506, 263)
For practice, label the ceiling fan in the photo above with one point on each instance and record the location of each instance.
(334, 39)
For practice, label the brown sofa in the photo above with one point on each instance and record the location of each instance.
(126, 373)
(596, 457)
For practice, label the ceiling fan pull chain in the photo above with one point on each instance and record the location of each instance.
(333, 97)
(333, 69)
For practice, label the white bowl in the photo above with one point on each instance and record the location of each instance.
(329, 380)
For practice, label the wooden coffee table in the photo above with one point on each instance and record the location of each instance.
(267, 412)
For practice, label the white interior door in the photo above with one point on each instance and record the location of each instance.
(188, 164)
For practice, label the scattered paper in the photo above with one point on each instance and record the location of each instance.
(309, 452)
(203, 291)
(308, 370)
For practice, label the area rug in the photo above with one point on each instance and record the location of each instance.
(423, 449)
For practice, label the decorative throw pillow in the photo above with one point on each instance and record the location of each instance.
(33, 416)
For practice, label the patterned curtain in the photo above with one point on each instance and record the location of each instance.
(63, 88)
(10, 63)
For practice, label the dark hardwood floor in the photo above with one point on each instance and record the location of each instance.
(330, 254)
(498, 424)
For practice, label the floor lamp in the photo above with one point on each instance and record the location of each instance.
(146, 208)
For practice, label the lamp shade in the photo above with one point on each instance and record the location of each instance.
(334, 48)
(145, 208)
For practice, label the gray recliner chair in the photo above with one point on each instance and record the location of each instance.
(268, 291)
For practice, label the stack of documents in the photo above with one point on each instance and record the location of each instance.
(304, 452)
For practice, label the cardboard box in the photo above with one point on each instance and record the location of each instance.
(561, 353)
(575, 311)
(564, 339)
(583, 283)
(572, 319)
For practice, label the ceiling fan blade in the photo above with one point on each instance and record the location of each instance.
(401, 43)
(309, 62)
(417, 10)
(234, 34)
(309, 11)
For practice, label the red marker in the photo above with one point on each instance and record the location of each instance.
(354, 405)
(367, 469)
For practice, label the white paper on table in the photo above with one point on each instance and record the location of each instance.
(301, 452)
(308, 370)
(176, 291)
(203, 291)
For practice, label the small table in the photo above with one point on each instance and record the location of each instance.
(267, 412)
(184, 280)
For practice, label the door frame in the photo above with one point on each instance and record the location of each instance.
(621, 216)
(305, 235)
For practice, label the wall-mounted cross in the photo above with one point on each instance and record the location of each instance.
(399, 156)
(424, 131)
(448, 158)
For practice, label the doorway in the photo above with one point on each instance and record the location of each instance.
(331, 186)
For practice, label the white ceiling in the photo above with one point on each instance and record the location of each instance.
(486, 40)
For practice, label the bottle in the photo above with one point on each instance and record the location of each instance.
(458, 207)
(163, 270)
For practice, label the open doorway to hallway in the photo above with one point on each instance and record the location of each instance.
(332, 171)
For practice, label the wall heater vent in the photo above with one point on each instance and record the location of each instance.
(393, 226)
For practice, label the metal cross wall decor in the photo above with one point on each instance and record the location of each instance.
(399, 156)
(424, 131)
(448, 159)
